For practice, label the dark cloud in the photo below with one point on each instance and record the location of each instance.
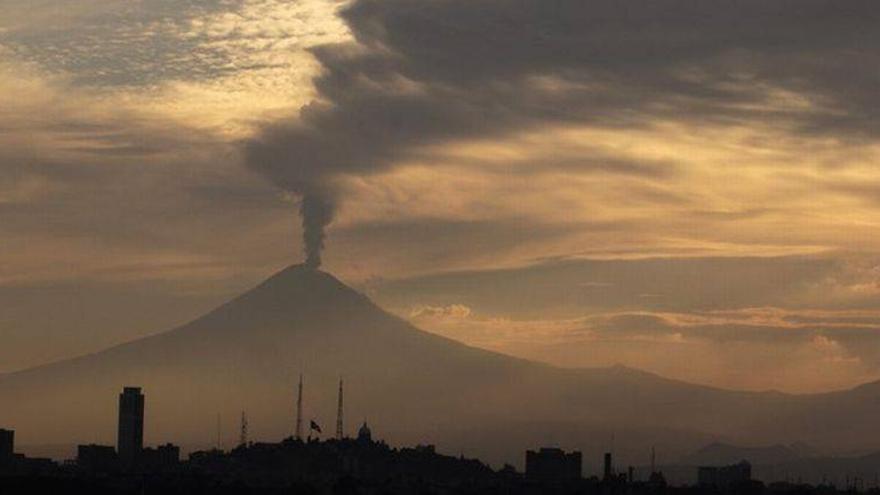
(585, 160)
(429, 72)
(431, 242)
(420, 75)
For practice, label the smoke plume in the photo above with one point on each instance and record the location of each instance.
(421, 74)
(316, 212)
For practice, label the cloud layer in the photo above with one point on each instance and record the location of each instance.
(419, 75)
(576, 181)
(812, 325)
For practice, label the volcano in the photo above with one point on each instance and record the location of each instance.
(410, 385)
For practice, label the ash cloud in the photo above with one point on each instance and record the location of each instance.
(436, 71)
(317, 212)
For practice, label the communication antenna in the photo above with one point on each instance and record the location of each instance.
(613, 453)
(219, 444)
(243, 436)
(339, 432)
(299, 410)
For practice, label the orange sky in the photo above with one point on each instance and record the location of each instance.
(125, 176)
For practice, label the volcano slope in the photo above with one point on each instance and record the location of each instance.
(412, 386)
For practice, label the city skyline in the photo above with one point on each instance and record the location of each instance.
(550, 465)
(340, 456)
(238, 372)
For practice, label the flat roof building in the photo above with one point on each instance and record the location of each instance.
(7, 445)
(97, 458)
(724, 477)
(160, 459)
(553, 465)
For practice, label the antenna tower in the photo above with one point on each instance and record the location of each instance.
(299, 410)
(219, 443)
(243, 436)
(339, 432)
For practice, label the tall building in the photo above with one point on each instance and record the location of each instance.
(608, 471)
(7, 445)
(553, 465)
(130, 438)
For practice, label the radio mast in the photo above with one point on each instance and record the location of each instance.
(299, 410)
(243, 435)
(339, 433)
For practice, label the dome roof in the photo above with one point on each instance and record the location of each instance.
(365, 433)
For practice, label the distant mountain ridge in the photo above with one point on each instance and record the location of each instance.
(795, 463)
(412, 385)
(720, 454)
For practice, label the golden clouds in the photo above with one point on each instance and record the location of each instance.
(462, 139)
(732, 349)
(668, 189)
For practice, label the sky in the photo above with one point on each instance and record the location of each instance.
(685, 187)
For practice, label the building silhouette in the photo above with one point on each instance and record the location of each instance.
(130, 438)
(97, 458)
(364, 434)
(725, 477)
(161, 459)
(7, 446)
(338, 465)
(19, 464)
(553, 465)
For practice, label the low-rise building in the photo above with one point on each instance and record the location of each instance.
(554, 465)
(724, 477)
(97, 458)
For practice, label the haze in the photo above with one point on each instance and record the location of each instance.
(687, 188)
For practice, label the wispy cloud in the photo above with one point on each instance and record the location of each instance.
(561, 179)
